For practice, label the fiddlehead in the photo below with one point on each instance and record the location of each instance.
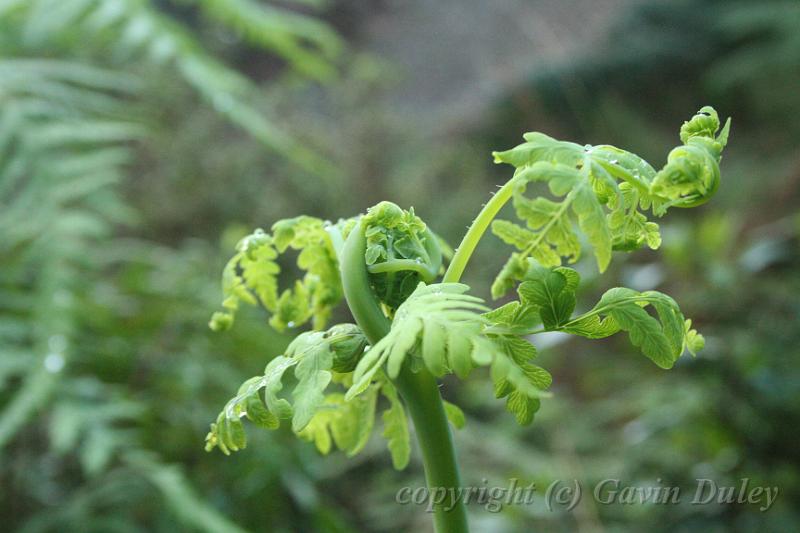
(400, 252)
(691, 175)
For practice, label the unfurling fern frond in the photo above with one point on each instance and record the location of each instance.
(442, 320)
(314, 356)
(421, 330)
(251, 275)
(445, 327)
(318, 359)
(400, 252)
(604, 192)
(691, 175)
(227, 432)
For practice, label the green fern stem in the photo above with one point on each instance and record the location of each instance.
(419, 390)
(476, 231)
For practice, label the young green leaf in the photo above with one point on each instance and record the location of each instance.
(513, 318)
(320, 287)
(592, 327)
(552, 292)
(227, 432)
(395, 427)
(662, 340)
(518, 379)
(586, 187)
(318, 428)
(603, 191)
(454, 414)
(351, 427)
(694, 341)
(255, 259)
(313, 372)
(348, 425)
(252, 275)
(314, 355)
(441, 319)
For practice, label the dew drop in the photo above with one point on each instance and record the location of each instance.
(54, 362)
(290, 323)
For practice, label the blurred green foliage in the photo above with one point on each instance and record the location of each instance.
(139, 140)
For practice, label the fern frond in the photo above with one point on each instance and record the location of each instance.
(547, 300)
(253, 273)
(603, 191)
(228, 431)
(57, 199)
(400, 252)
(395, 427)
(314, 355)
(662, 340)
(446, 327)
(691, 175)
(136, 30)
(443, 321)
(517, 379)
(306, 43)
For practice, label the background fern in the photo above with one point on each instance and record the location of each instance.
(137, 30)
(112, 239)
(69, 136)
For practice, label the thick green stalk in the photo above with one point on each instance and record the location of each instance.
(476, 231)
(419, 390)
